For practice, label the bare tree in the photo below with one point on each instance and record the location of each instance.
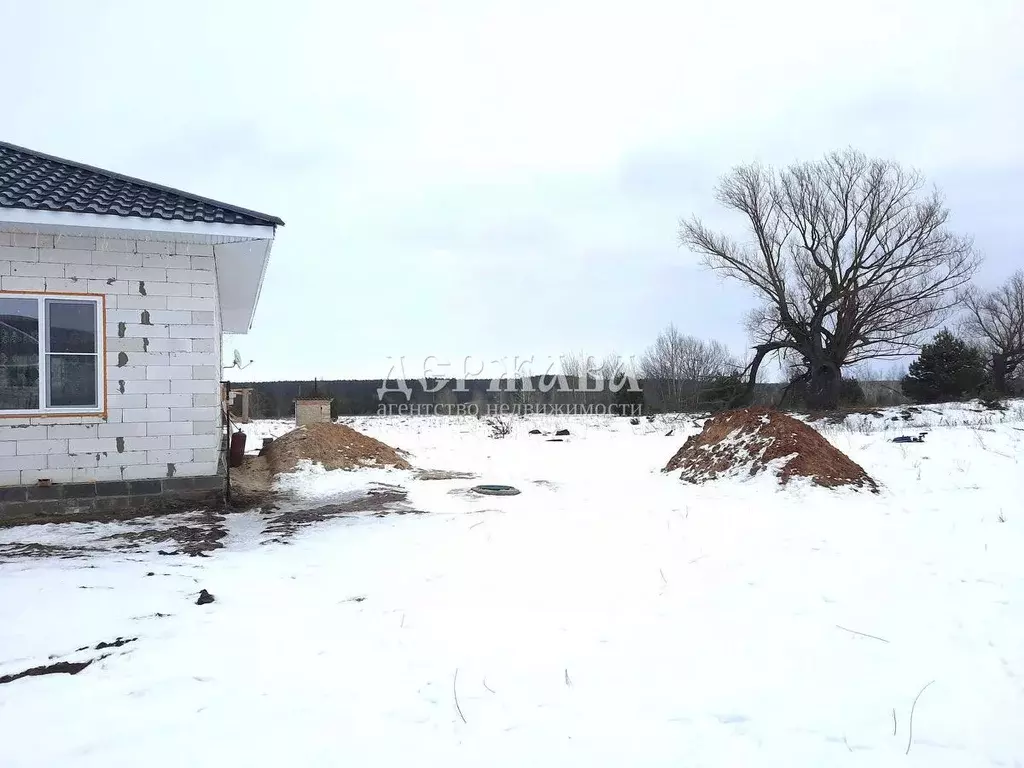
(577, 368)
(676, 367)
(996, 319)
(867, 372)
(852, 259)
(575, 363)
(592, 381)
(661, 368)
(611, 367)
(611, 374)
(703, 360)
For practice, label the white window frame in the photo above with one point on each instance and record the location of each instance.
(44, 355)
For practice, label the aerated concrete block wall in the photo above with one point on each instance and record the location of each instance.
(312, 412)
(163, 361)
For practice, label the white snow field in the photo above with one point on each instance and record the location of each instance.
(609, 615)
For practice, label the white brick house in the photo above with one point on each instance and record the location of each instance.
(114, 294)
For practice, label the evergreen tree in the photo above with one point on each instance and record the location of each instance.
(948, 369)
(627, 397)
(722, 391)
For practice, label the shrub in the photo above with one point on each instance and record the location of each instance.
(626, 396)
(948, 369)
(501, 426)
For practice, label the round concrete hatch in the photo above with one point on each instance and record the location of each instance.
(495, 490)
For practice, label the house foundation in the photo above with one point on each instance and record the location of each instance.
(112, 500)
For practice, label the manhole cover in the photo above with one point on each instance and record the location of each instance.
(495, 490)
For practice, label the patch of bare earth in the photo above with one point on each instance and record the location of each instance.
(379, 501)
(443, 474)
(68, 667)
(195, 535)
(18, 549)
(753, 440)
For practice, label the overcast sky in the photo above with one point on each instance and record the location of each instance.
(504, 179)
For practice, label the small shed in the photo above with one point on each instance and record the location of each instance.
(314, 409)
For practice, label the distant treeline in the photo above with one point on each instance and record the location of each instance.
(355, 397)
(275, 399)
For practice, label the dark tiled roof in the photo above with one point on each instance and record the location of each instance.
(37, 182)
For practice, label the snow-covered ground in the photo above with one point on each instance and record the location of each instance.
(609, 615)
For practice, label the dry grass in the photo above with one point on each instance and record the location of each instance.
(920, 418)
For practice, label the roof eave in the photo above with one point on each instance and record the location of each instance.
(40, 221)
(241, 269)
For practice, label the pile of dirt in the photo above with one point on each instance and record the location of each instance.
(752, 440)
(252, 484)
(335, 446)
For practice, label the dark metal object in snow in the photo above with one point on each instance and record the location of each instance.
(909, 439)
(204, 598)
(495, 490)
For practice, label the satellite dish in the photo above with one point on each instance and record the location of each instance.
(238, 361)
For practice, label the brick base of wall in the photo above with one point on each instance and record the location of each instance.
(117, 500)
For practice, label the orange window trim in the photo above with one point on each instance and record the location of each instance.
(103, 312)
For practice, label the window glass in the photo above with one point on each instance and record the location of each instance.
(49, 353)
(72, 326)
(19, 354)
(72, 381)
(71, 353)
